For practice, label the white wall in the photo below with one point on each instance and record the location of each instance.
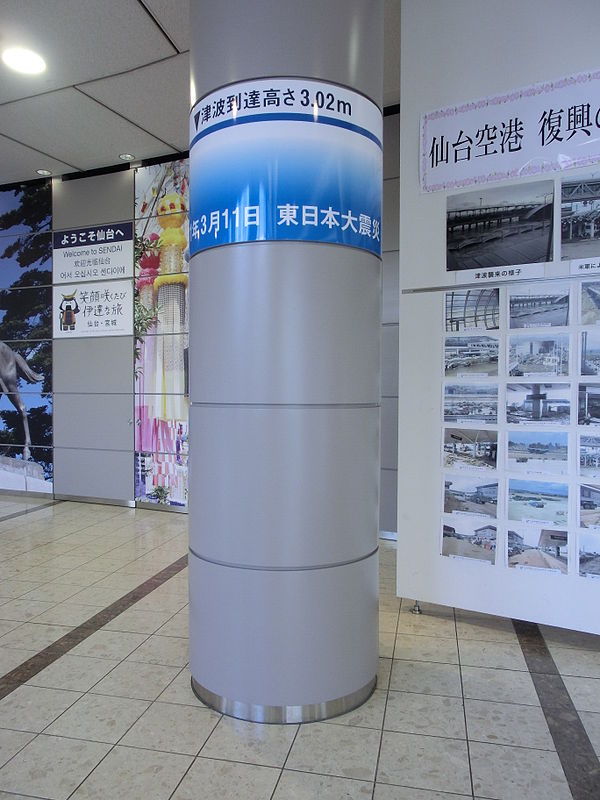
(453, 51)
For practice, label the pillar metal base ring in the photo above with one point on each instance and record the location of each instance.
(284, 714)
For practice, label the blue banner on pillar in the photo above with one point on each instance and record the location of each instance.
(285, 159)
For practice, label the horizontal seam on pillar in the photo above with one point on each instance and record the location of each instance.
(283, 569)
(285, 405)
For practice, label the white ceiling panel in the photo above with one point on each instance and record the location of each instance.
(74, 128)
(174, 16)
(79, 39)
(157, 98)
(19, 163)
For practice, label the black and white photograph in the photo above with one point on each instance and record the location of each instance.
(588, 404)
(471, 403)
(469, 537)
(470, 449)
(536, 547)
(590, 352)
(589, 456)
(538, 356)
(472, 310)
(590, 303)
(580, 218)
(538, 452)
(589, 505)
(538, 306)
(589, 555)
(470, 495)
(500, 227)
(538, 403)
(538, 500)
(470, 356)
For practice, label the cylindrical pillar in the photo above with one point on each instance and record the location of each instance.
(285, 282)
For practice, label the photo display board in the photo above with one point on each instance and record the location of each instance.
(499, 509)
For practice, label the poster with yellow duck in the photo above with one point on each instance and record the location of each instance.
(161, 333)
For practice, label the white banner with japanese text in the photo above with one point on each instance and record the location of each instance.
(103, 308)
(97, 252)
(542, 128)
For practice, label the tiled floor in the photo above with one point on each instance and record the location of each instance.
(96, 700)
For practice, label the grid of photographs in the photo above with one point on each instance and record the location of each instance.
(520, 447)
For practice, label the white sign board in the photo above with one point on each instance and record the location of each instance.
(542, 128)
(95, 253)
(103, 308)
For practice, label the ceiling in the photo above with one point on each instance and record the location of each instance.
(117, 82)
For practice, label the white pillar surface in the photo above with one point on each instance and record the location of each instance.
(284, 418)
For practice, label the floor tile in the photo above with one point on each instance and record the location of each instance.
(167, 650)
(12, 588)
(304, 786)
(11, 742)
(367, 715)
(514, 773)
(383, 673)
(109, 644)
(51, 767)
(424, 762)
(210, 780)
(172, 728)
(584, 692)
(180, 691)
(427, 625)
(580, 663)
(503, 685)
(425, 713)
(566, 638)
(145, 774)
(68, 613)
(502, 655)
(591, 723)
(12, 657)
(426, 648)
(78, 673)
(250, 742)
(31, 708)
(426, 677)
(33, 636)
(98, 718)
(494, 630)
(387, 640)
(135, 620)
(335, 750)
(136, 680)
(178, 625)
(507, 723)
(388, 621)
(386, 792)
(23, 610)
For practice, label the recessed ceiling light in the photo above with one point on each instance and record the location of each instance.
(22, 60)
(44, 172)
(126, 157)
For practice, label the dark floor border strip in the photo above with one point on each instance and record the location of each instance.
(29, 510)
(30, 668)
(577, 756)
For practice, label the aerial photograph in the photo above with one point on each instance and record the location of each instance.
(500, 227)
(469, 537)
(470, 448)
(536, 547)
(580, 218)
(538, 452)
(471, 402)
(538, 500)
(468, 494)
(538, 403)
(539, 356)
(470, 356)
(538, 306)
